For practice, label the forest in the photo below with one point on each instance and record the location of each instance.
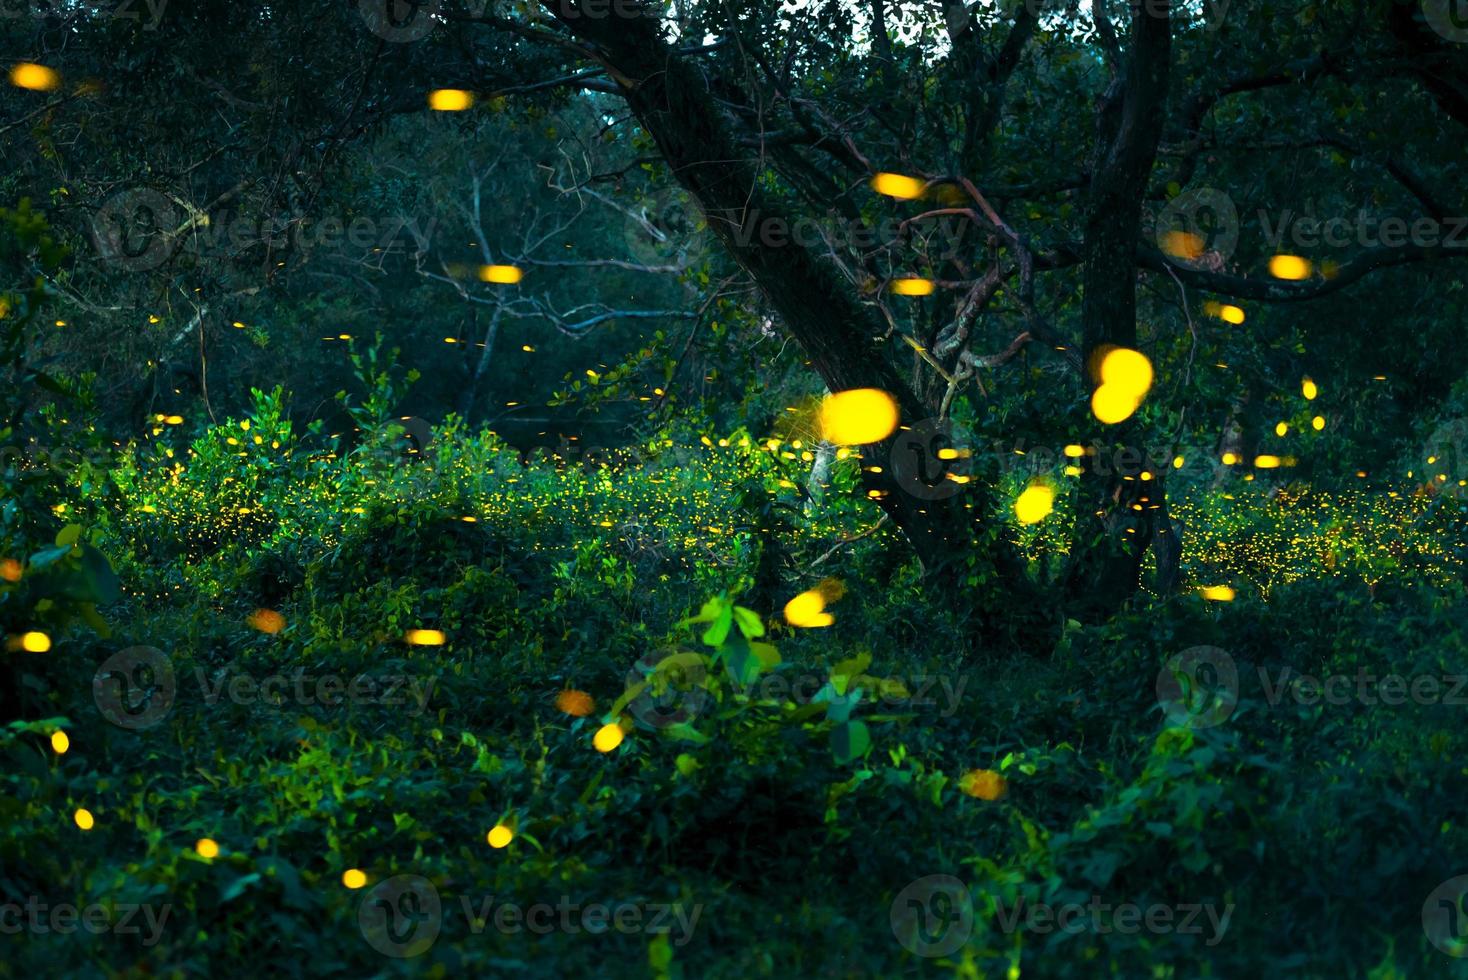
(758, 488)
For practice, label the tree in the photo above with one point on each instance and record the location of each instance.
(1055, 150)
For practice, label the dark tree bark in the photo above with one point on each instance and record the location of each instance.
(672, 99)
(1117, 511)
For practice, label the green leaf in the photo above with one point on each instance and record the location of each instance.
(68, 535)
(624, 700)
(850, 741)
(749, 622)
(843, 672)
(718, 631)
(741, 662)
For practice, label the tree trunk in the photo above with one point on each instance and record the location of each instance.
(1116, 517)
(471, 391)
(671, 99)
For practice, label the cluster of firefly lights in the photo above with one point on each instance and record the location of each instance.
(847, 418)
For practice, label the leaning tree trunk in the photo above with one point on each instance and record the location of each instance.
(673, 102)
(471, 391)
(1117, 512)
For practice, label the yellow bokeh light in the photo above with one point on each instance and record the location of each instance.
(450, 100)
(1035, 504)
(1317, 423)
(354, 878)
(35, 642)
(1177, 462)
(1289, 267)
(1074, 451)
(1127, 370)
(506, 275)
(607, 737)
(60, 742)
(1182, 245)
(37, 78)
(501, 835)
(912, 287)
(1230, 314)
(11, 570)
(266, 621)
(858, 416)
(206, 848)
(424, 638)
(808, 610)
(1309, 389)
(983, 784)
(1230, 459)
(1111, 404)
(1217, 593)
(1281, 428)
(1266, 462)
(84, 818)
(577, 704)
(898, 186)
